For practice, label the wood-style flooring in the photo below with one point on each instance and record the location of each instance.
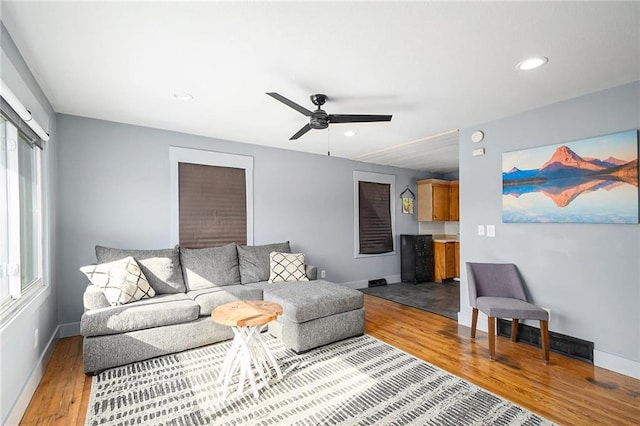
(567, 391)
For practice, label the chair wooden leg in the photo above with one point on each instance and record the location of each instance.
(544, 334)
(474, 322)
(514, 330)
(492, 338)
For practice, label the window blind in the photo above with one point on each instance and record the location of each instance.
(375, 218)
(212, 205)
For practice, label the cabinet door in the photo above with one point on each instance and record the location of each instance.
(440, 202)
(439, 261)
(450, 260)
(444, 259)
(454, 206)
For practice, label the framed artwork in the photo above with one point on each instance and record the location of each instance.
(407, 205)
(591, 180)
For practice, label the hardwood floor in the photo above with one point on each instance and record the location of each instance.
(566, 391)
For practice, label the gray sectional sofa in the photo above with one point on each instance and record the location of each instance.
(189, 284)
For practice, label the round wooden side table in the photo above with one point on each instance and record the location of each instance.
(248, 352)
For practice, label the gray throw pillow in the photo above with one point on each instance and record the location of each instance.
(161, 267)
(255, 261)
(210, 267)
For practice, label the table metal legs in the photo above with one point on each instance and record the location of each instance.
(249, 355)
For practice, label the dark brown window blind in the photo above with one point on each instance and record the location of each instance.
(212, 205)
(374, 218)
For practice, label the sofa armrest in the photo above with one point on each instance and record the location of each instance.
(312, 272)
(94, 298)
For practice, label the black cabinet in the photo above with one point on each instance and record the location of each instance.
(416, 258)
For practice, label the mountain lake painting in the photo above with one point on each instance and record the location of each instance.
(592, 180)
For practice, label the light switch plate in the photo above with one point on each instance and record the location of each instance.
(477, 152)
(491, 230)
(480, 229)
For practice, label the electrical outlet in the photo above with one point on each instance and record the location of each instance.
(480, 230)
(491, 230)
(35, 339)
(323, 273)
(549, 311)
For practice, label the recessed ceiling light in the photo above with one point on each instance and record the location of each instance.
(532, 63)
(182, 96)
(350, 133)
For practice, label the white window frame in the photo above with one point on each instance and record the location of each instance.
(18, 297)
(359, 176)
(208, 158)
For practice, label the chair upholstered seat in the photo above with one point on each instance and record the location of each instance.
(504, 307)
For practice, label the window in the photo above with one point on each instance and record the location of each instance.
(212, 205)
(21, 255)
(211, 198)
(374, 213)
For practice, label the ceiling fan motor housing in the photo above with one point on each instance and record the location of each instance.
(319, 120)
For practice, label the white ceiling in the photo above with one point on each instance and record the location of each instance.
(436, 66)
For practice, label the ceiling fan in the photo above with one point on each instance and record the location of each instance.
(319, 119)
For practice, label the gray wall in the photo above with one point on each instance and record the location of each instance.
(20, 363)
(587, 274)
(114, 190)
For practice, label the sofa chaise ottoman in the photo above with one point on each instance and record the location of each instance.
(315, 313)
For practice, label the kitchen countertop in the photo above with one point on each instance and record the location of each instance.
(445, 238)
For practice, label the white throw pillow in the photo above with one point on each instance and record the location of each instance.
(287, 267)
(122, 281)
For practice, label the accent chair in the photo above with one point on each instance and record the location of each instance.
(496, 289)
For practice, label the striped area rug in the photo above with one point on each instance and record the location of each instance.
(360, 381)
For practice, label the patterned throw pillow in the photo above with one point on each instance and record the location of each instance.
(121, 281)
(287, 267)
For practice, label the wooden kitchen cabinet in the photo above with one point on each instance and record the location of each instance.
(444, 259)
(437, 200)
(433, 200)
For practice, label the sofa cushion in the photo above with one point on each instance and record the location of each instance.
(161, 267)
(306, 301)
(211, 298)
(210, 267)
(121, 281)
(286, 267)
(254, 261)
(165, 309)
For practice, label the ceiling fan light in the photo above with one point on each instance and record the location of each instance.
(532, 63)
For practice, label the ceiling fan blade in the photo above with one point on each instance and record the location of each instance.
(301, 132)
(290, 103)
(357, 118)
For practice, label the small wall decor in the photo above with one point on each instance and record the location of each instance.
(407, 201)
(591, 180)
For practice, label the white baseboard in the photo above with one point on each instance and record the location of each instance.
(616, 363)
(355, 284)
(68, 330)
(32, 383)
